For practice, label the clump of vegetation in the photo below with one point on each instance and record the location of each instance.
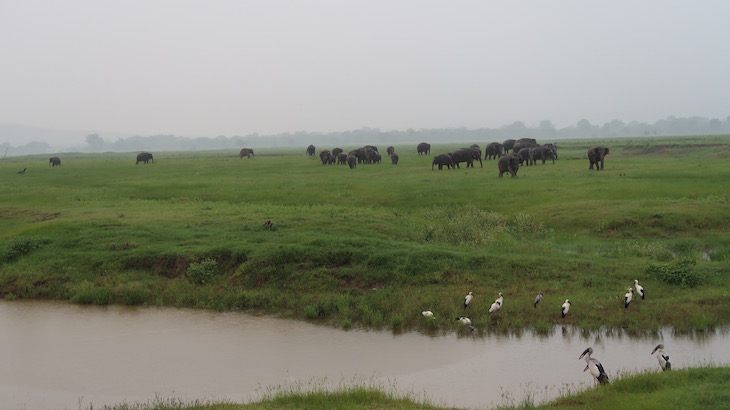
(202, 272)
(20, 246)
(680, 273)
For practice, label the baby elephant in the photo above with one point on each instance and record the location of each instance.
(508, 163)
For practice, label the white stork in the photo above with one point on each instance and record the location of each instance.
(468, 298)
(639, 289)
(497, 304)
(594, 366)
(427, 313)
(627, 298)
(662, 357)
(465, 321)
(565, 308)
(538, 298)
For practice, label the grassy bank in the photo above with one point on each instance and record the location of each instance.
(376, 245)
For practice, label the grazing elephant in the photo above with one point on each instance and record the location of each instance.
(394, 158)
(424, 148)
(524, 143)
(352, 161)
(493, 150)
(145, 157)
(467, 155)
(310, 150)
(54, 161)
(341, 158)
(325, 156)
(441, 160)
(524, 155)
(336, 151)
(246, 152)
(553, 148)
(541, 152)
(376, 157)
(390, 150)
(509, 163)
(508, 145)
(596, 155)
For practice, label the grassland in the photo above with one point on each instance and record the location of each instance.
(375, 246)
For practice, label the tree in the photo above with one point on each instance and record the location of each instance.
(95, 142)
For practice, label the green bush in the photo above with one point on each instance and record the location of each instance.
(20, 246)
(202, 272)
(680, 273)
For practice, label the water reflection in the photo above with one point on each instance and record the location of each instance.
(56, 355)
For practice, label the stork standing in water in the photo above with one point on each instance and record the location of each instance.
(662, 357)
(538, 298)
(594, 366)
(627, 298)
(639, 289)
(467, 299)
(466, 322)
(497, 304)
(565, 308)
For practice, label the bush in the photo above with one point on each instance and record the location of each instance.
(202, 272)
(680, 273)
(20, 246)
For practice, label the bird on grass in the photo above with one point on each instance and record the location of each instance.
(662, 357)
(639, 289)
(465, 321)
(627, 298)
(428, 314)
(538, 298)
(565, 308)
(594, 366)
(497, 304)
(23, 171)
(468, 298)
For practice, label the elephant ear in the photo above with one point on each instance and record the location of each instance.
(606, 151)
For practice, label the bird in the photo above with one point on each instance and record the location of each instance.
(497, 304)
(427, 313)
(538, 298)
(465, 321)
(639, 288)
(627, 298)
(565, 308)
(23, 171)
(468, 298)
(662, 357)
(594, 366)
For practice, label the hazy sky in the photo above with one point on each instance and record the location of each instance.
(216, 67)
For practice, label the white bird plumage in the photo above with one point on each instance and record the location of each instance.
(427, 313)
(497, 304)
(565, 308)
(662, 357)
(639, 289)
(538, 298)
(468, 298)
(594, 366)
(627, 298)
(465, 321)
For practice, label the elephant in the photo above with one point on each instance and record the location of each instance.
(509, 163)
(441, 160)
(424, 148)
(144, 157)
(352, 161)
(325, 156)
(394, 158)
(493, 150)
(522, 143)
(508, 145)
(336, 151)
(524, 155)
(467, 155)
(246, 152)
(390, 150)
(596, 155)
(341, 158)
(554, 148)
(376, 157)
(53, 161)
(541, 152)
(372, 147)
(310, 150)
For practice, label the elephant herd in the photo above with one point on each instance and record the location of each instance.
(364, 155)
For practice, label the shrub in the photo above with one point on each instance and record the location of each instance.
(20, 246)
(202, 272)
(680, 273)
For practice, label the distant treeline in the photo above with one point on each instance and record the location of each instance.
(545, 131)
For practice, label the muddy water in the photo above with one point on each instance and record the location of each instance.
(56, 356)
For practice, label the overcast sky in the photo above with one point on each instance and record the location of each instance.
(209, 68)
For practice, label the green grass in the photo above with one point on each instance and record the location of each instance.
(376, 245)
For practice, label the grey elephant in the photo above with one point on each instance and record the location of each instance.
(524, 143)
(493, 150)
(596, 156)
(467, 155)
(508, 145)
(509, 163)
(394, 158)
(441, 160)
(541, 152)
(336, 151)
(246, 152)
(54, 161)
(524, 155)
(341, 158)
(145, 157)
(376, 157)
(310, 150)
(325, 156)
(424, 148)
(352, 161)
